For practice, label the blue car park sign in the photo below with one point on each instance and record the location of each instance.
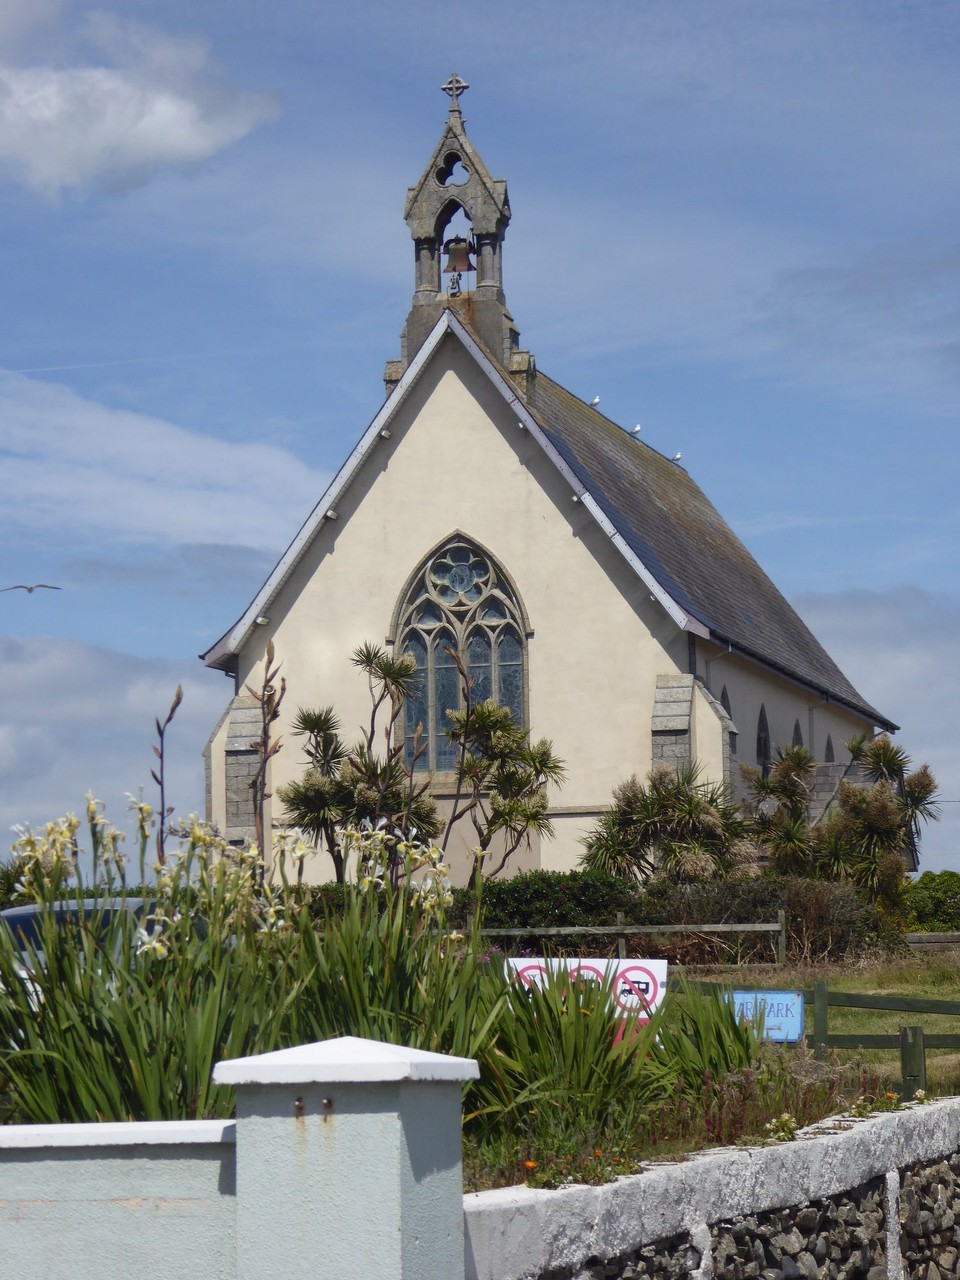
(782, 1013)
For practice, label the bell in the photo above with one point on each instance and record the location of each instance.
(458, 253)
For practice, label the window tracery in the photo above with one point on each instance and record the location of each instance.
(459, 601)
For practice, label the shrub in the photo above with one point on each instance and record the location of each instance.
(933, 902)
(824, 918)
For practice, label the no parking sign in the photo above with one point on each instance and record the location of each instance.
(638, 985)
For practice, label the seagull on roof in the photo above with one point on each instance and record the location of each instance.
(22, 586)
(594, 402)
(676, 457)
(636, 430)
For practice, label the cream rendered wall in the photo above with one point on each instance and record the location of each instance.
(707, 733)
(457, 460)
(750, 686)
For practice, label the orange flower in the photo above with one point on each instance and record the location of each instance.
(614, 1159)
(890, 1096)
(529, 1164)
(597, 1154)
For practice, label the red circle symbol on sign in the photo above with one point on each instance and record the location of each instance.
(531, 975)
(637, 988)
(588, 973)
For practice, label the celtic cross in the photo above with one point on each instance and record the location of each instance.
(453, 88)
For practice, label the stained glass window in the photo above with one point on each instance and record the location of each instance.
(460, 603)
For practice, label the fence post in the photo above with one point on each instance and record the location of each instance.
(621, 941)
(348, 1161)
(913, 1061)
(782, 940)
(821, 1019)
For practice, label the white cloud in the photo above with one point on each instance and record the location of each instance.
(156, 102)
(74, 465)
(77, 718)
(899, 649)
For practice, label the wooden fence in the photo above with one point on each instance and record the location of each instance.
(912, 1041)
(622, 931)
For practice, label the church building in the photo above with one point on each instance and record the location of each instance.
(585, 579)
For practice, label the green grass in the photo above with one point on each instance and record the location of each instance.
(932, 976)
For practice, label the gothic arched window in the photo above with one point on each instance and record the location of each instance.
(797, 735)
(764, 754)
(459, 601)
(725, 703)
(828, 754)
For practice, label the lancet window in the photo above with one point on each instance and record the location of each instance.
(764, 754)
(460, 602)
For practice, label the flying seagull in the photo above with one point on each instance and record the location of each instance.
(594, 402)
(22, 586)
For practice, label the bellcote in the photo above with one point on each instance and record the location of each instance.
(457, 182)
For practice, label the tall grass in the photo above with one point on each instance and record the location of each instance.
(115, 1017)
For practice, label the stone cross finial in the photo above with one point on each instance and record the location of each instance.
(453, 88)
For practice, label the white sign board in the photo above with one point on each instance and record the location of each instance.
(638, 985)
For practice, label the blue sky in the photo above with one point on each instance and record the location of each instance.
(736, 223)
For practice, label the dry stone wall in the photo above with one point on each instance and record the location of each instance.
(871, 1199)
(840, 1238)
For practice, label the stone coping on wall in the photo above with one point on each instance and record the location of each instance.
(517, 1232)
(138, 1133)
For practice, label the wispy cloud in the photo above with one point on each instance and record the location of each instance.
(80, 468)
(151, 101)
(899, 649)
(77, 718)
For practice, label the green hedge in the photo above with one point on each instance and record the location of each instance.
(933, 902)
(824, 919)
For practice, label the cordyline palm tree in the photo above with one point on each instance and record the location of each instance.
(915, 790)
(348, 787)
(502, 780)
(780, 810)
(673, 825)
(870, 829)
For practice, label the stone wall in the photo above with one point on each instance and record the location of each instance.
(242, 762)
(844, 1237)
(851, 1199)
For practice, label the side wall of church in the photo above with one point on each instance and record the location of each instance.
(750, 687)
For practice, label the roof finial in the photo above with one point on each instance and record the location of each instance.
(454, 87)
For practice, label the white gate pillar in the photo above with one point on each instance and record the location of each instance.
(348, 1162)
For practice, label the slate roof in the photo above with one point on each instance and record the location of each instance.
(670, 524)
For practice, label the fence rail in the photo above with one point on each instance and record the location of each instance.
(932, 941)
(622, 931)
(912, 1041)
